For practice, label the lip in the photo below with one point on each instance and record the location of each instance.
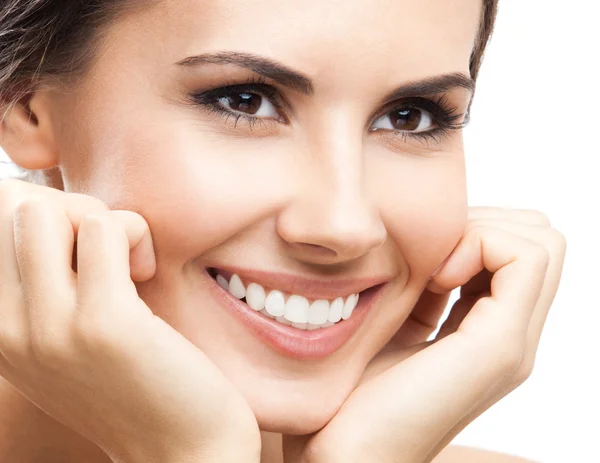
(294, 342)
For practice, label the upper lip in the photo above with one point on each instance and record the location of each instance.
(311, 288)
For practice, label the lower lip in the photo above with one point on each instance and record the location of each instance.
(294, 342)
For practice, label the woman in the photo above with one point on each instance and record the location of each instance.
(283, 184)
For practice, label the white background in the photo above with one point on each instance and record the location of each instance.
(533, 143)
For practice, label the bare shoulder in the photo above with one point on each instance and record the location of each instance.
(459, 454)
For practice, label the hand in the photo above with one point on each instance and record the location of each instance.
(83, 347)
(417, 395)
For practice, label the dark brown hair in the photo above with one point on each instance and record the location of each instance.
(43, 39)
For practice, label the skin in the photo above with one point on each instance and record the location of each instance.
(319, 195)
(234, 192)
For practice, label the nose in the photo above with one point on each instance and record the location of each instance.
(332, 219)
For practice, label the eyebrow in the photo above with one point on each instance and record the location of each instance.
(434, 85)
(300, 82)
(263, 66)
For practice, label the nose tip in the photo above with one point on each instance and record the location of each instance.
(332, 234)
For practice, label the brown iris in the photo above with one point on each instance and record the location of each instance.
(248, 103)
(406, 119)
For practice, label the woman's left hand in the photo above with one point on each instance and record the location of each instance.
(416, 396)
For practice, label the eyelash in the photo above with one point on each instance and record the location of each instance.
(446, 117)
(210, 100)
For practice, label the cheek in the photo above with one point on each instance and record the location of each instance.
(196, 188)
(424, 206)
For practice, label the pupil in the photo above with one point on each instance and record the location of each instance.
(406, 119)
(246, 102)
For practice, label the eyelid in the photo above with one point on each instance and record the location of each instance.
(444, 114)
(257, 87)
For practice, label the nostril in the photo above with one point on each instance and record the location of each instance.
(315, 249)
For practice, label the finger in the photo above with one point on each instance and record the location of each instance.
(142, 259)
(9, 268)
(518, 265)
(12, 192)
(43, 246)
(555, 244)
(45, 222)
(103, 257)
(525, 216)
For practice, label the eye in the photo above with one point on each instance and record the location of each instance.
(406, 120)
(252, 104)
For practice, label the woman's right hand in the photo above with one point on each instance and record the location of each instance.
(83, 347)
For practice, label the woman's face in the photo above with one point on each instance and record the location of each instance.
(332, 164)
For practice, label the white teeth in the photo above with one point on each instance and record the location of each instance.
(335, 311)
(318, 312)
(236, 287)
(296, 309)
(223, 282)
(275, 303)
(255, 296)
(349, 306)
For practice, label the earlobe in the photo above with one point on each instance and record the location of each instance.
(26, 133)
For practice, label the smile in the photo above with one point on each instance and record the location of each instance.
(299, 317)
(290, 309)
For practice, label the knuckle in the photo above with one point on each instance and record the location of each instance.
(97, 224)
(91, 203)
(557, 239)
(537, 217)
(30, 205)
(10, 188)
(539, 255)
(525, 371)
(476, 230)
(13, 192)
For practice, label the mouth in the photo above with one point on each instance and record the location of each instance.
(297, 317)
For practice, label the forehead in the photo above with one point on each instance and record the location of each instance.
(407, 37)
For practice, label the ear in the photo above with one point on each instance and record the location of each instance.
(26, 133)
